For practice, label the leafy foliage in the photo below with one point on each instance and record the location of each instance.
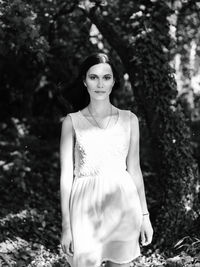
(30, 222)
(19, 29)
(143, 43)
(41, 45)
(23, 51)
(154, 87)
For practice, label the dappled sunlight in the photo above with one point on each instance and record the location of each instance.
(19, 252)
(20, 126)
(155, 48)
(13, 245)
(105, 209)
(29, 219)
(11, 216)
(28, 214)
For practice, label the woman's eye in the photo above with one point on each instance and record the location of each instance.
(92, 77)
(107, 77)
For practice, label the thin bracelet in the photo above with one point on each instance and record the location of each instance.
(145, 214)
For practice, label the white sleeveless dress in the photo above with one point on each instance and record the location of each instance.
(105, 211)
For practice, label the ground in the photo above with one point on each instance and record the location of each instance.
(30, 218)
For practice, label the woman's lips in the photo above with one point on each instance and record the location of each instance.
(100, 92)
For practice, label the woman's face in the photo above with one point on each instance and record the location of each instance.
(99, 81)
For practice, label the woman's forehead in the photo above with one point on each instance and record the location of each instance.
(99, 69)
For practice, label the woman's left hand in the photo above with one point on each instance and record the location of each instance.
(146, 232)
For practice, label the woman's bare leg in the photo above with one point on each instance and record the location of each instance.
(112, 264)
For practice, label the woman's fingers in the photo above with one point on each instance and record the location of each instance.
(71, 247)
(69, 253)
(148, 238)
(68, 249)
(142, 236)
(63, 248)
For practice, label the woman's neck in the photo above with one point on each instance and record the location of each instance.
(99, 108)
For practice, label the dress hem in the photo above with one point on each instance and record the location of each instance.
(110, 259)
(119, 262)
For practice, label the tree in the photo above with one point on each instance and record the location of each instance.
(43, 43)
(139, 32)
(22, 52)
(40, 49)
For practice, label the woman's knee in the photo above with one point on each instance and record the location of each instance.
(112, 264)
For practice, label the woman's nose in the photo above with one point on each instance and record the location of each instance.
(100, 83)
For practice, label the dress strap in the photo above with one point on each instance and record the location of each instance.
(126, 119)
(75, 121)
(126, 122)
(129, 125)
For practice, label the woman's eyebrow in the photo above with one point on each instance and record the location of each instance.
(107, 74)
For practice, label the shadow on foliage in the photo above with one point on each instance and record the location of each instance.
(29, 178)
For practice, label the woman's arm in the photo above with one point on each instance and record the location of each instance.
(133, 167)
(66, 177)
(133, 162)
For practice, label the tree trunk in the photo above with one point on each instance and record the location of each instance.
(147, 63)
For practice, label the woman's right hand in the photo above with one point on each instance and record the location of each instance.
(66, 243)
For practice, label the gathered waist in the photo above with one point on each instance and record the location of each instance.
(104, 173)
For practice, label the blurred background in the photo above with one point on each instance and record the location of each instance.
(155, 46)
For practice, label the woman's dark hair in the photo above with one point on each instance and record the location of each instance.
(97, 59)
(83, 99)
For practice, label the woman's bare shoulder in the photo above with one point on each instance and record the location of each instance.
(67, 124)
(134, 122)
(129, 114)
(68, 118)
(133, 116)
(84, 111)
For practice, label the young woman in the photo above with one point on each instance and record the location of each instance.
(104, 210)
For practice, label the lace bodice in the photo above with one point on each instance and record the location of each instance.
(97, 150)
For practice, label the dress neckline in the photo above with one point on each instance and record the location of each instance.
(102, 129)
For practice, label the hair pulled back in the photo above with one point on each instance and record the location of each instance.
(83, 99)
(94, 59)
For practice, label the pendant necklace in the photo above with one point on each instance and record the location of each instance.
(96, 120)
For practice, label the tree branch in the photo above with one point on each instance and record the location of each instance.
(108, 31)
(63, 10)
